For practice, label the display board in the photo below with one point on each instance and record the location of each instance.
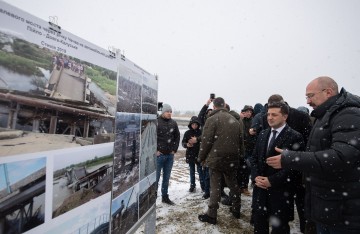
(77, 132)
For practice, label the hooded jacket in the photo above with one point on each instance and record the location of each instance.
(192, 152)
(221, 141)
(332, 164)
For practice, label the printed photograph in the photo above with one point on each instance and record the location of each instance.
(124, 211)
(129, 90)
(149, 95)
(147, 193)
(148, 145)
(80, 177)
(126, 152)
(22, 195)
(45, 92)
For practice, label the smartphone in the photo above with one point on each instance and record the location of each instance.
(160, 106)
(212, 96)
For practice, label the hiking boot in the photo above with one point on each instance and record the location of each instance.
(236, 214)
(245, 191)
(192, 189)
(167, 201)
(207, 218)
(206, 196)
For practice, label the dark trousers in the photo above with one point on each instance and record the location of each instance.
(244, 171)
(215, 191)
(300, 205)
(199, 169)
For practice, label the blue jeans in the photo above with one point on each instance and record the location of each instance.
(192, 175)
(164, 162)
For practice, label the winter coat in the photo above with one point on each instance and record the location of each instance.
(168, 135)
(332, 163)
(221, 141)
(192, 152)
(280, 194)
(203, 115)
(249, 140)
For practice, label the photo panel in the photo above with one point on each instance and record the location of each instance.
(129, 89)
(92, 217)
(147, 193)
(81, 176)
(126, 152)
(125, 211)
(22, 195)
(148, 145)
(149, 103)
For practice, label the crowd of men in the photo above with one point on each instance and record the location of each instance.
(287, 155)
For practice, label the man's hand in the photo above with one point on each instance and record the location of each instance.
(158, 153)
(262, 182)
(252, 131)
(275, 161)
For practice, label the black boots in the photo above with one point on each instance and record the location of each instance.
(166, 200)
(236, 214)
(192, 189)
(206, 196)
(207, 218)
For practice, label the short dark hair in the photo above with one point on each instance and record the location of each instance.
(275, 98)
(219, 102)
(284, 108)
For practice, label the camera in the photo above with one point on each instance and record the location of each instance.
(212, 96)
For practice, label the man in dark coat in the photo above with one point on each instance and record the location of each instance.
(168, 139)
(273, 192)
(332, 160)
(300, 122)
(221, 144)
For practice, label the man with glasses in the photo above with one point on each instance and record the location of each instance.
(332, 160)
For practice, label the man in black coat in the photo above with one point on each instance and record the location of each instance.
(273, 192)
(300, 122)
(168, 139)
(332, 160)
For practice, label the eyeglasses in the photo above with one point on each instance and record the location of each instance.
(311, 95)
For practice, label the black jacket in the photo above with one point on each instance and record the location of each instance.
(332, 163)
(168, 135)
(281, 180)
(192, 152)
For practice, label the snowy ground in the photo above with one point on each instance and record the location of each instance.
(183, 217)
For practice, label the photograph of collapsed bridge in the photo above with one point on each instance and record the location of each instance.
(22, 195)
(126, 152)
(125, 211)
(43, 91)
(77, 180)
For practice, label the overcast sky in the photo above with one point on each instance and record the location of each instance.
(243, 51)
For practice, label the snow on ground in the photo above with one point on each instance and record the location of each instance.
(183, 217)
